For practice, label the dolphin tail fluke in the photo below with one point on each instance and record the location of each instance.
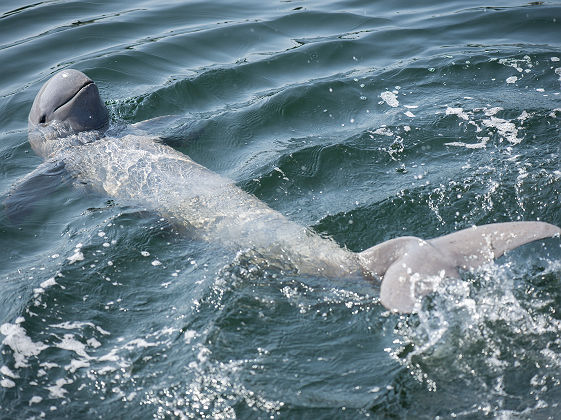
(478, 245)
(411, 267)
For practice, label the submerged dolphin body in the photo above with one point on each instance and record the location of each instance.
(66, 125)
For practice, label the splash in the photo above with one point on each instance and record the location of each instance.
(484, 332)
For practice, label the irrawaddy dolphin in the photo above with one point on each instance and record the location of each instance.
(67, 125)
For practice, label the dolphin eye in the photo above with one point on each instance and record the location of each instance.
(43, 119)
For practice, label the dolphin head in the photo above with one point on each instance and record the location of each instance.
(67, 104)
(72, 97)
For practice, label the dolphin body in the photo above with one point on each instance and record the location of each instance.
(66, 126)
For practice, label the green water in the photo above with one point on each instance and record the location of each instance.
(365, 120)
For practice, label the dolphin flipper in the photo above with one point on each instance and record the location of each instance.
(45, 179)
(412, 267)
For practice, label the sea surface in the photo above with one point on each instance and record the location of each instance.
(364, 120)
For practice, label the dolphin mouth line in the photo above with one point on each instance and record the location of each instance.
(84, 86)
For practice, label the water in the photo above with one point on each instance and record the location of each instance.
(364, 120)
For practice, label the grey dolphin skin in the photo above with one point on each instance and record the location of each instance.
(66, 126)
(72, 97)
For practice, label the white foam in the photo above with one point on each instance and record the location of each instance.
(390, 98)
(5, 370)
(523, 116)
(140, 343)
(92, 342)
(57, 390)
(481, 145)
(110, 357)
(76, 364)
(75, 325)
(492, 111)
(7, 383)
(77, 256)
(506, 129)
(518, 63)
(48, 365)
(383, 132)
(511, 79)
(69, 343)
(189, 335)
(457, 111)
(101, 330)
(105, 370)
(35, 400)
(48, 283)
(22, 346)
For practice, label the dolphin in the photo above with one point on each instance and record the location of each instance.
(67, 127)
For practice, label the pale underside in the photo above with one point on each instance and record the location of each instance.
(139, 169)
